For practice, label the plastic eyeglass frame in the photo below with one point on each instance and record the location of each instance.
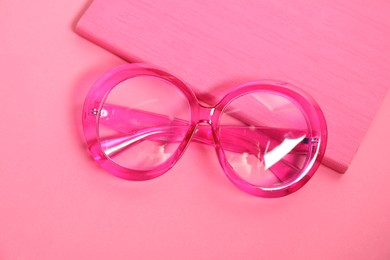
(199, 115)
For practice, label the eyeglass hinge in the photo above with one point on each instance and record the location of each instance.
(95, 111)
(312, 140)
(315, 140)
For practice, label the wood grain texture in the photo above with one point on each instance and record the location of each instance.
(338, 51)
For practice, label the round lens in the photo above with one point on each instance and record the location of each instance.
(264, 136)
(142, 122)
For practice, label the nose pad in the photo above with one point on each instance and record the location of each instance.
(204, 134)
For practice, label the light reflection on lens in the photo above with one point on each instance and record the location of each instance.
(263, 136)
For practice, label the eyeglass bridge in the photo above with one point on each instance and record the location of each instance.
(206, 114)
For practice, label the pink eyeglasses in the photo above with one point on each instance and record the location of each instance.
(269, 136)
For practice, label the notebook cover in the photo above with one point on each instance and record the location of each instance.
(338, 51)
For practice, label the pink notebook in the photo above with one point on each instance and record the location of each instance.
(338, 51)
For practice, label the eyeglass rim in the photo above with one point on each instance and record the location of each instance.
(102, 87)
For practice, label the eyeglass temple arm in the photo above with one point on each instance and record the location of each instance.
(235, 138)
(127, 120)
(168, 129)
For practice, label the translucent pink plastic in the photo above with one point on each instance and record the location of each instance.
(269, 136)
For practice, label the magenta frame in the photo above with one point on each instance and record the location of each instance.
(201, 114)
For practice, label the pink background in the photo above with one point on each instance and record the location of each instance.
(55, 203)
